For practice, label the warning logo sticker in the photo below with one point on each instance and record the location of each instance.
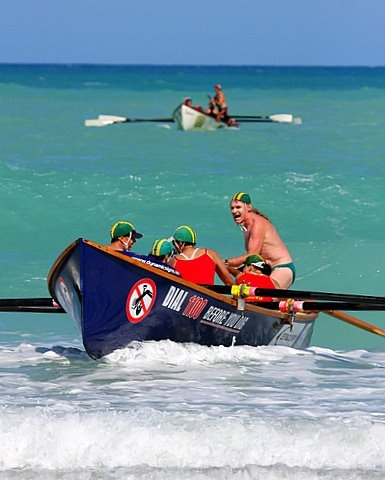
(140, 300)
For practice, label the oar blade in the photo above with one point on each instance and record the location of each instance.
(113, 118)
(276, 118)
(97, 122)
(281, 118)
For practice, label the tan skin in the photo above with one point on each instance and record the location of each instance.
(220, 268)
(261, 238)
(220, 102)
(123, 243)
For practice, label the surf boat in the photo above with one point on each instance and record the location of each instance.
(194, 118)
(116, 299)
(191, 118)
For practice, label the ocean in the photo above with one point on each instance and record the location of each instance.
(174, 411)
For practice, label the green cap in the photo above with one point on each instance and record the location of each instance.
(258, 262)
(242, 197)
(161, 247)
(184, 233)
(122, 228)
(253, 259)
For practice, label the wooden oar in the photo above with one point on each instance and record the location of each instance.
(303, 295)
(328, 309)
(356, 322)
(104, 120)
(34, 305)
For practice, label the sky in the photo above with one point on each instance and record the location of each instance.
(198, 32)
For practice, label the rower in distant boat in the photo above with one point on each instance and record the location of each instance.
(218, 107)
(188, 102)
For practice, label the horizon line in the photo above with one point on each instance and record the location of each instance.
(70, 64)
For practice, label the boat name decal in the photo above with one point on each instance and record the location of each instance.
(225, 318)
(174, 298)
(140, 300)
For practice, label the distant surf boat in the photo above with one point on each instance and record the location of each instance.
(192, 118)
(188, 117)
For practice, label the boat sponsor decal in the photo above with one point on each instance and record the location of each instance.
(160, 266)
(199, 121)
(176, 297)
(140, 300)
(224, 318)
(286, 337)
(65, 297)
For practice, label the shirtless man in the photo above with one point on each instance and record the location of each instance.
(218, 105)
(261, 238)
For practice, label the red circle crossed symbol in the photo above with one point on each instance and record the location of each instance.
(140, 300)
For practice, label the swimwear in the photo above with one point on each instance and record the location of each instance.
(290, 265)
(197, 270)
(259, 281)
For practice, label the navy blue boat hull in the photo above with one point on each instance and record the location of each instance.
(116, 300)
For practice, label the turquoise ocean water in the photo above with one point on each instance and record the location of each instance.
(166, 411)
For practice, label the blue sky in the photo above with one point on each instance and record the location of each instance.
(198, 32)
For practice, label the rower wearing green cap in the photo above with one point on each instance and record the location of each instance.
(198, 265)
(261, 238)
(123, 236)
(162, 250)
(256, 273)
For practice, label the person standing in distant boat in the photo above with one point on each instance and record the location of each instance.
(198, 265)
(123, 236)
(218, 106)
(261, 238)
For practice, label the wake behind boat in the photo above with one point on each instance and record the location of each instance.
(116, 299)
